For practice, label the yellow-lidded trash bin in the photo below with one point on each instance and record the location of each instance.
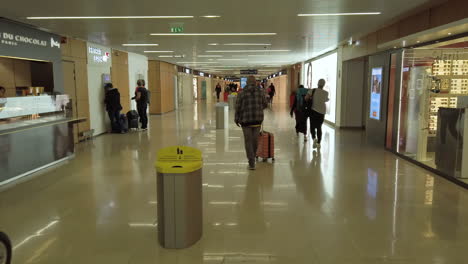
(179, 179)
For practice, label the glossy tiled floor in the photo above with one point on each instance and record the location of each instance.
(351, 203)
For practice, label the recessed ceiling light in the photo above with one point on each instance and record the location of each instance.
(140, 45)
(212, 34)
(213, 44)
(211, 16)
(418, 41)
(109, 17)
(235, 51)
(449, 33)
(158, 51)
(210, 56)
(341, 14)
(166, 56)
(247, 44)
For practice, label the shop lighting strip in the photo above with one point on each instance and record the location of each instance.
(107, 17)
(341, 14)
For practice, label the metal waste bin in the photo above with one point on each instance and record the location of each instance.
(232, 101)
(222, 116)
(179, 179)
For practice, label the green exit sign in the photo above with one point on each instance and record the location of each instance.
(177, 29)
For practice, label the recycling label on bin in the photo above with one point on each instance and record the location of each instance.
(178, 159)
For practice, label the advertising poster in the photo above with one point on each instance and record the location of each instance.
(376, 93)
(243, 82)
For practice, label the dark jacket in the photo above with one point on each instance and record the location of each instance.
(144, 98)
(112, 100)
(250, 105)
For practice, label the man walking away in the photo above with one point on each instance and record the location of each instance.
(249, 115)
(113, 107)
(272, 92)
(218, 91)
(142, 100)
(317, 97)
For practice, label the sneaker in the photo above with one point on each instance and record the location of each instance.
(143, 129)
(252, 167)
(315, 143)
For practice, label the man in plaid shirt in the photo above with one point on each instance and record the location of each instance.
(249, 115)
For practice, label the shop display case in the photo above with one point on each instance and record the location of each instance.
(35, 132)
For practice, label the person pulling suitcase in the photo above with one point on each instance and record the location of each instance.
(249, 115)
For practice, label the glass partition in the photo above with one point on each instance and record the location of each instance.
(433, 102)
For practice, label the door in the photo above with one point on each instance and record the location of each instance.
(203, 84)
(70, 89)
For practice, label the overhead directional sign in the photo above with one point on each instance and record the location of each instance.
(249, 72)
(176, 27)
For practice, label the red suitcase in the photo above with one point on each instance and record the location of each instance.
(266, 146)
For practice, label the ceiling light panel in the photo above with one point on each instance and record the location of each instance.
(211, 16)
(212, 34)
(139, 45)
(237, 51)
(210, 56)
(109, 17)
(247, 44)
(341, 14)
(232, 59)
(158, 51)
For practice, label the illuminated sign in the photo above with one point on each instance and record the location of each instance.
(98, 55)
(376, 93)
(15, 40)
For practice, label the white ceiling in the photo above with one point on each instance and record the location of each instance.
(305, 37)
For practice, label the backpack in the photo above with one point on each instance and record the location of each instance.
(307, 105)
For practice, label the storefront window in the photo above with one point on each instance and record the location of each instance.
(433, 100)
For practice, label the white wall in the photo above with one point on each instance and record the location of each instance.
(98, 115)
(137, 64)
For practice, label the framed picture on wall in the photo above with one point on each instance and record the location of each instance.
(376, 93)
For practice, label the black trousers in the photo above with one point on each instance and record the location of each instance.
(316, 122)
(217, 95)
(114, 117)
(142, 109)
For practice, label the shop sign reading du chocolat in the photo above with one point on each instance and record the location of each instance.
(11, 39)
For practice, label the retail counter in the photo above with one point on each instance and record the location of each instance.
(41, 135)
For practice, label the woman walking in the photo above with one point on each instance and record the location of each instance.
(300, 111)
(317, 99)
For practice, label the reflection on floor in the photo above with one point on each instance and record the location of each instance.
(348, 203)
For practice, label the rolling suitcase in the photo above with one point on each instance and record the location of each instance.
(132, 117)
(266, 146)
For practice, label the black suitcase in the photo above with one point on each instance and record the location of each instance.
(123, 122)
(132, 117)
